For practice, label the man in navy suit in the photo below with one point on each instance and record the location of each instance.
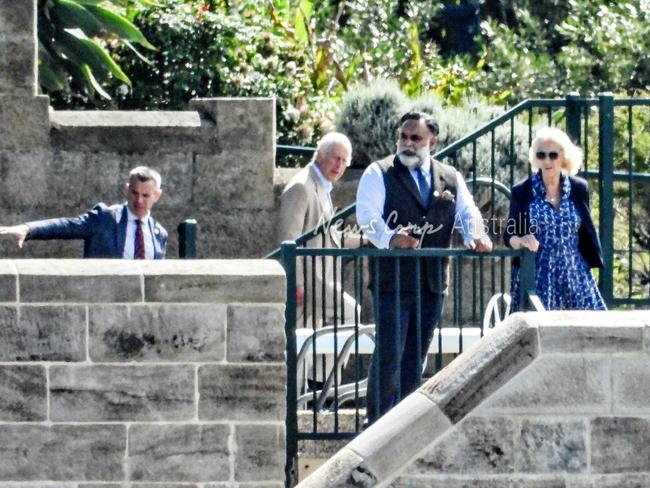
(124, 230)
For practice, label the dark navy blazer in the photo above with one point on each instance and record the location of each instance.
(519, 223)
(103, 230)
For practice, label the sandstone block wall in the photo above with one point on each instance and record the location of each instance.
(137, 373)
(547, 400)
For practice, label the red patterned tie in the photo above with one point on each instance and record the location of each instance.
(139, 240)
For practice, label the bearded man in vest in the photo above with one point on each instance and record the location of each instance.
(406, 201)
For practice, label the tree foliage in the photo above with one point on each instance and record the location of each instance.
(72, 57)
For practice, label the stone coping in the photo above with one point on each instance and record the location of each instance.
(115, 280)
(381, 451)
(124, 118)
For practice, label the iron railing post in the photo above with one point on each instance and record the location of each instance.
(606, 181)
(187, 230)
(288, 250)
(527, 279)
(573, 116)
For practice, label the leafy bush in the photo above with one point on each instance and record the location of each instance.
(370, 116)
(205, 54)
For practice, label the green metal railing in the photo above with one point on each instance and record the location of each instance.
(492, 159)
(607, 139)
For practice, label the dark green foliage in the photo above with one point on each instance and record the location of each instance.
(73, 65)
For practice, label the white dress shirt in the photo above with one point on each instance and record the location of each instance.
(147, 230)
(371, 197)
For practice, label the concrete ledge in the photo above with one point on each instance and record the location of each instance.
(124, 118)
(484, 368)
(590, 332)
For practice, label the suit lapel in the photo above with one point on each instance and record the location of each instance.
(325, 207)
(157, 250)
(323, 199)
(436, 178)
(121, 231)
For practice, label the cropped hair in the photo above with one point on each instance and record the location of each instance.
(431, 124)
(571, 154)
(331, 139)
(144, 173)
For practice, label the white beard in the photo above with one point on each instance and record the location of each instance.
(410, 160)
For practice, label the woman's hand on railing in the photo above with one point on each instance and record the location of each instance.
(528, 241)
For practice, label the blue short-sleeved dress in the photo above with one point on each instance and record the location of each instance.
(564, 280)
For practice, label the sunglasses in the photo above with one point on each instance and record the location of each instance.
(552, 155)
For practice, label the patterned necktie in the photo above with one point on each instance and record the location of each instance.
(425, 190)
(138, 252)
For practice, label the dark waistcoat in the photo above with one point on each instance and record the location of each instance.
(404, 207)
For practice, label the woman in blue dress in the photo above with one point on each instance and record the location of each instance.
(549, 215)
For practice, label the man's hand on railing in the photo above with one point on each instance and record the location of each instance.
(403, 241)
(300, 295)
(528, 241)
(482, 244)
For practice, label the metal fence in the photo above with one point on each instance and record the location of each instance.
(615, 137)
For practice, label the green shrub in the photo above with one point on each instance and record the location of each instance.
(203, 53)
(370, 115)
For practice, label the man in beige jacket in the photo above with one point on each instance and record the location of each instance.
(304, 205)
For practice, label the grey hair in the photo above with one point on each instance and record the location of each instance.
(572, 154)
(332, 139)
(144, 173)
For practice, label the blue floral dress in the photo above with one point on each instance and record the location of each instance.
(564, 280)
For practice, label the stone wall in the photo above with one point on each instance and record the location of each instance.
(547, 400)
(157, 372)
(217, 158)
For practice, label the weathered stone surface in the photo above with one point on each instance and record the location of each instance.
(556, 384)
(228, 233)
(551, 446)
(72, 280)
(631, 385)
(23, 395)
(24, 118)
(399, 435)
(261, 452)
(8, 281)
(157, 332)
(230, 115)
(256, 333)
(43, 333)
(215, 281)
(439, 482)
(16, 21)
(623, 480)
(62, 452)
(345, 469)
(257, 484)
(131, 131)
(107, 393)
(188, 453)
(19, 167)
(618, 337)
(483, 369)
(620, 444)
(17, 67)
(479, 445)
(259, 395)
(237, 186)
